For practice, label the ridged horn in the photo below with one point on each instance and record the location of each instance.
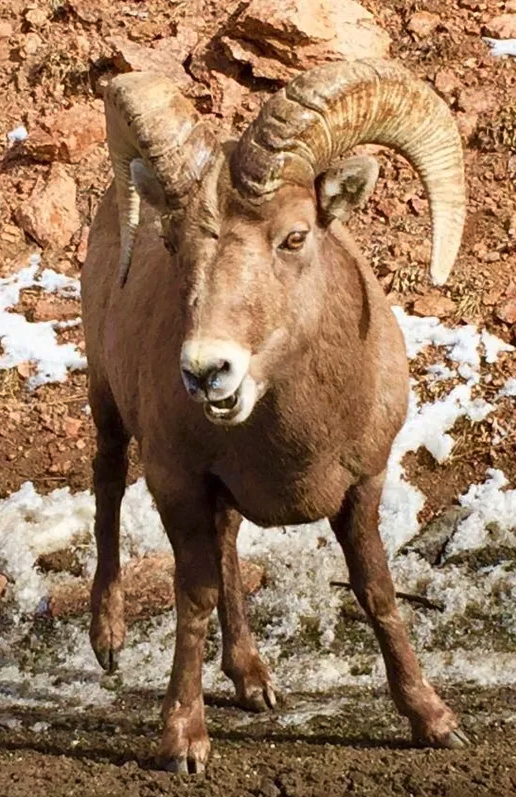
(321, 114)
(147, 117)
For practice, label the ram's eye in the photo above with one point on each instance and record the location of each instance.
(294, 240)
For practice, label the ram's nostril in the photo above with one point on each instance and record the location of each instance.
(215, 377)
(191, 381)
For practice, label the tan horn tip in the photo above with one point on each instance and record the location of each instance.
(123, 270)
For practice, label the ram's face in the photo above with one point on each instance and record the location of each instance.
(255, 291)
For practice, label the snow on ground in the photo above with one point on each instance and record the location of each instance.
(36, 342)
(298, 616)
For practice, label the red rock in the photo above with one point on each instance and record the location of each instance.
(87, 10)
(262, 66)
(477, 100)
(35, 17)
(491, 297)
(50, 214)
(10, 234)
(423, 23)
(434, 304)
(417, 205)
(446, 81)
(510, 7)
(389, 206)
(506, 311)
(65, 267)
(3, 584)
(24, 369)
(70, 135)
(148, 584)
(82, 44)
(6, 30)
(502, 27)
(421, 253)
(298, 34)
(31, 44)
(54, 308)
(227, 95)
(41, 146)
(467, 124)
(180, 45)
(131, 57)
(82, 248)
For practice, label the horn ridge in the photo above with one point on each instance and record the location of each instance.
(323, 113)
(147, 117)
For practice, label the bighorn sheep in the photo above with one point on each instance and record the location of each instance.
(294, 366)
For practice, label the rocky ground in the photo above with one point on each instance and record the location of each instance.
(54, 58)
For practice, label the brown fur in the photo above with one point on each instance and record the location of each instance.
(325, 341)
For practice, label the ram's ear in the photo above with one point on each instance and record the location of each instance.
(345, 187)
(148, 185)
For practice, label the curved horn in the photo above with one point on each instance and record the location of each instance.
(321, 114)
(147, 117)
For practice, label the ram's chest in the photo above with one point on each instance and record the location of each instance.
(276, 480)
(278, 495)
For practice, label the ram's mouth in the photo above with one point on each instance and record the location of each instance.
(225, 410)
(228, 403)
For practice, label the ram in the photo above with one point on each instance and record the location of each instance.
(235, 331)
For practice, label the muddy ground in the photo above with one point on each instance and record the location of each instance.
(363, 748)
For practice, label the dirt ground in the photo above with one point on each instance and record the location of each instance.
(363, 749)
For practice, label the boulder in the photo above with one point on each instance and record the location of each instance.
(434, 304)
(50, 215)
(70, 135)
(148, 584)
(164, 59)
(423, 23)
(278, 40)
(502, 27)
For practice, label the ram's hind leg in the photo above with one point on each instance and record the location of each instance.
(240, 659)
(356, 528)
(107, 629)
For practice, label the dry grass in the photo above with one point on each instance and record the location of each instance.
(59, 68)
(500, 133)
(10, 383)
(408, 279)
(469, 305)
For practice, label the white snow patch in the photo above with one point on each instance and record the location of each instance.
(509, 389)
(493, 346)
(18, 134)
(36, 342)
(441, 372)
(489, 503)
(462, 342)
(500, 47)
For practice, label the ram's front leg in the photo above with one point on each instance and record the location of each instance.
(240, 659)
(189, 523)
(356, 528)
(107, 628)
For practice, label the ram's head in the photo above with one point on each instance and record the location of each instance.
(251, 222)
